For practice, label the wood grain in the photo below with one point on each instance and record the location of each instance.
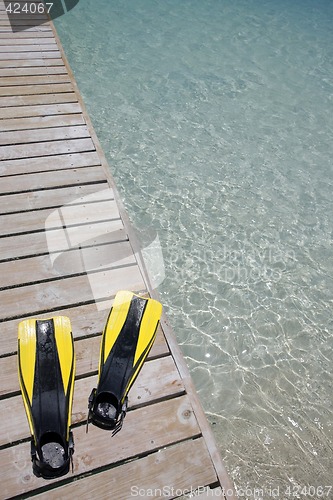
(157, 476)
(54, 162)
(46, 148)
(35, 299)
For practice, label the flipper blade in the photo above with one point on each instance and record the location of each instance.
(26, 364)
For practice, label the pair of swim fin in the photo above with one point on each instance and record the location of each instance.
(46, 366)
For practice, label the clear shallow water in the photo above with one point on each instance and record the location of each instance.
(217, 121)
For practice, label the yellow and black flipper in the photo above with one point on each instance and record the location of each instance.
(127, 338)
(46, 366)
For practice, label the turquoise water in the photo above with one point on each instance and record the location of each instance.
(217, 121)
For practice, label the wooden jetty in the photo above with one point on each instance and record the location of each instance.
(66, 247)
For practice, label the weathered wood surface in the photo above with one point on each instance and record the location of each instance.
(31, 71)
(24, 183)
(65, 249)
(27, 123)
(59, 147)
(30, 33)
(38, 60)
(39, 242)
(29, 39)
(52, 54)
(36, 199)
(27, 47)
(72, 214)
(52, 162)
(35, 298)
(144, 478)
(42, 135)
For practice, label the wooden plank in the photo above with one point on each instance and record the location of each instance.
(32, 29)
(72, 262)
(145, 430)
(21, 23)
(45, 199)
(32, 71)
(32, 80)
(157, 476)
(65, 120)
(37, 61)
(158, 379)
(18, 25)
(4, 14)
(30, 244)
(38, 111)
(46, 148)
(27, 34)
(17, 15)
(44, 28)
(11, 56)
(46, 180)
(35, 18)
(31, 100)
(34, 299)
(41, 135)
(64, 218)
(8, 30)
(22, 18)
(34, 200)
(61, 162)
(29, 47)
(28, 39)
(35, 89)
